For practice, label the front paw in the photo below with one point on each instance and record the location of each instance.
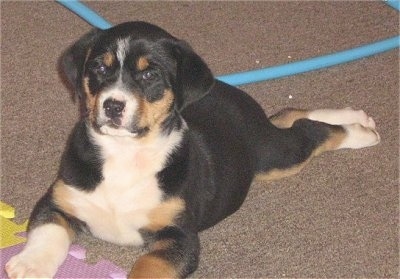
(45, 250)
(25, 266)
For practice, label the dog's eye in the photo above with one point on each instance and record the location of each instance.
(101, 69)
(147, 75)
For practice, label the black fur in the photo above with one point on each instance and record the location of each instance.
(81, 163)
(227, 138)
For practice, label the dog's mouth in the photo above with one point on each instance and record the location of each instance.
(117, 115)
(115, 123)
(117, 126)
(113, 128)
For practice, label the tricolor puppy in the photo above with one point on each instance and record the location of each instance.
(164, 150)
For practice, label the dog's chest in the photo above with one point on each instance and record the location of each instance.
(121, 203)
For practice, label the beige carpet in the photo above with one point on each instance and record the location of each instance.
(338, 218)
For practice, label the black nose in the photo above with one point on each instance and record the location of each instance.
(113, 108)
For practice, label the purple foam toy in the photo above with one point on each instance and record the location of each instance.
(73, 267)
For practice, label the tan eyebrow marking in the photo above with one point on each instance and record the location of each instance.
(142, 63)
(108, 59)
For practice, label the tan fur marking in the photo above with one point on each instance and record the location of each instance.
(286, 118)
(334, 140)
(91, 101)
(332, 143)
(162, 245)
(165, 214)
(57, 218)
(108, 59)
(153, 113)
(142, 63)
(276, 174)
(149, 266)
(62, 196)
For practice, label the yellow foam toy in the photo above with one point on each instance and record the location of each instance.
(6, 210)
(9, 229)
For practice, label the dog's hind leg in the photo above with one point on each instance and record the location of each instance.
(304, 134)
(285, 118)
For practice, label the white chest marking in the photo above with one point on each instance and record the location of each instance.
(120, 204)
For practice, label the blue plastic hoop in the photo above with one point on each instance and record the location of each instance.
(273, 72)
(311, 64)
(395, 4)
(85, 13)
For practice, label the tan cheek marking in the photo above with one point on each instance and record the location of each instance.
(91, 101)
(149, 266)
(153, 113)
(286, 118)
(165, 214)
(108, 59)
(142, 63)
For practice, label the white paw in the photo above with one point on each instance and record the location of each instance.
(360, 117)
(45, 250)
(344, 116)
(25, 266)
(359, 136)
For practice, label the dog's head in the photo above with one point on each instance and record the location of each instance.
(132, 77)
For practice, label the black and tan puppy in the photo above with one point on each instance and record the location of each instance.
(163, 151)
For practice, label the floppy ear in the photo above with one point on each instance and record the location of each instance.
(72, 61)
(194, 79)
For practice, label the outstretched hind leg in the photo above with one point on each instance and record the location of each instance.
(285, 118)
(304, 134)
(360, 128)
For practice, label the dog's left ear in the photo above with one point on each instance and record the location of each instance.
(193, 78)
(72, 61)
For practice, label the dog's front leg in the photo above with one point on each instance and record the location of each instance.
(49, 238)
(173, 254)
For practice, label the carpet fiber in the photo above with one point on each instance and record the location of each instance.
(338, 218)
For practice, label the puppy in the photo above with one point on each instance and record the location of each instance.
(163, 151)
